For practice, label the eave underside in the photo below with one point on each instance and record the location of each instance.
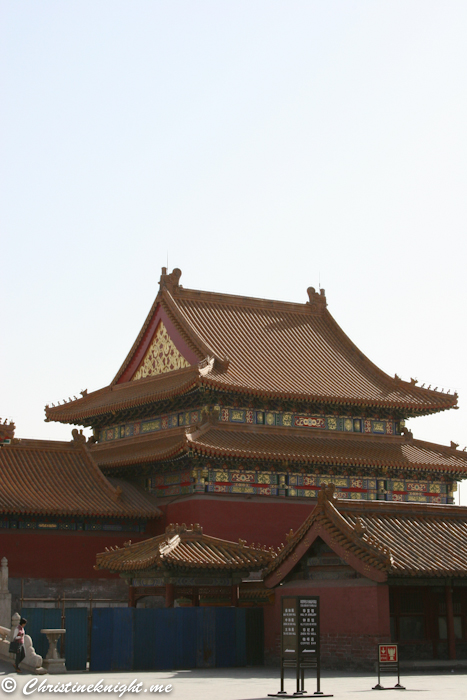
(198, 396)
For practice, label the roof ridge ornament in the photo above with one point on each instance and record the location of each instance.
(171, 281)
(176, 529)
(79, 439)
(210, 363)
(210, 415)
(206, 365)
(408, 434)
(7, 430)
(327, 493)
(317, 300)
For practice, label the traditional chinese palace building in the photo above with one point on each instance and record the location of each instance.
(237, 414)
(233, 411)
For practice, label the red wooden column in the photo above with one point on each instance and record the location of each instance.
(169, 595)
(450, 622)
(195, 599)
(234, 600)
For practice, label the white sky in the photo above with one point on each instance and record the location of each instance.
(263, 146)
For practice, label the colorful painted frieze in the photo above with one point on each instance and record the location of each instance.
(249, 416)
(296, 485)
(171, 484)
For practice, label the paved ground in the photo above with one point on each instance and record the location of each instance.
(240, 684)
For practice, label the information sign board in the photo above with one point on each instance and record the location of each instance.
(388, 663)
(308, 627)
(300, 641)
(388, 653)
(289, 627)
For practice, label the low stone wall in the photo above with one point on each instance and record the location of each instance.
(350, 651)
(49, 590)
(342, 651)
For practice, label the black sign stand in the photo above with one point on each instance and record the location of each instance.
(388, 667)
(300, 648)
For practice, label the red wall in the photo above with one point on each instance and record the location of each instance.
(354, 618)
(57, 554)
(259, 521)
(39, 554)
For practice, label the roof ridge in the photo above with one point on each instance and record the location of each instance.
(326, 366)
(108, 455)
(322, 442)
(449, 449)
(139, 337)
(31, 444)
(67, 482)
(354, 534)
(173, 549)
(413, 509)
(239, 300)
(192, 333)
(116, 491)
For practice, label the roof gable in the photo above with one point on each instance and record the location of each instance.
(381, 539)
(159, 348)
(368, 557)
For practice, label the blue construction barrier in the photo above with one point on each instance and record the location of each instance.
(142, 639)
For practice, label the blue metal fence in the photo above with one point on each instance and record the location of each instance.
(102, 634)
(125, 639)
(175, 638)
(76, 638)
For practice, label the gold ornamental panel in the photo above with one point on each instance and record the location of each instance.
(161, 356)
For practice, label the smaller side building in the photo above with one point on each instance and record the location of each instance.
(189, 567)
(57, 511)
(383, 571)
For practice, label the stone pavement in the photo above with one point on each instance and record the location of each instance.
(244, 684)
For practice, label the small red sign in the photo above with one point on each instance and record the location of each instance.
(388, 653)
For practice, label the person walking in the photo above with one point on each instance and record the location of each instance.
(18, 642)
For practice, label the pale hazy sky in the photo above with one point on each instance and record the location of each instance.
(263, 146)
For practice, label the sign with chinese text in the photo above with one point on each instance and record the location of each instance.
(289, 627)
(308, 626)
(300, 627)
